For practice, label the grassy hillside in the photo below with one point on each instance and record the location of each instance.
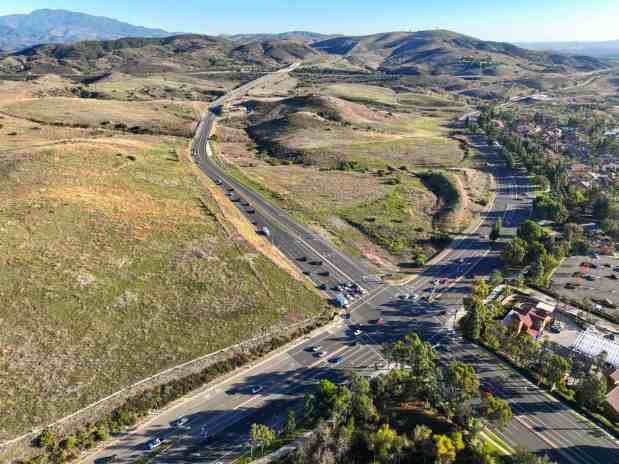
(117, 263)
(348, 158)
(446, 52)
(329, 131)
(153, 55)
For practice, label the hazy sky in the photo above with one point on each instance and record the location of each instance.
(509, 20)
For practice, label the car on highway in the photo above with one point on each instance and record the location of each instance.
(337, 360)
(154, 443)
(179, 422)
(257, 389)
(106, 459)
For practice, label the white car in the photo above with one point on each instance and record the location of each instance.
(180, 422)
(316, 348)
(357, 332)
(154, 443)
(257, 390)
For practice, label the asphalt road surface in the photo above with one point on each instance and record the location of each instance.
(219, 418)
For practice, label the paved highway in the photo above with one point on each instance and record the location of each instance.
(220, 417)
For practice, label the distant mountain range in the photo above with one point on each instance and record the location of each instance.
(608, 48)
(303, 36)
(60, 26)
(63, 42)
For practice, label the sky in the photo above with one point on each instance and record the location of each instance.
(502, 20)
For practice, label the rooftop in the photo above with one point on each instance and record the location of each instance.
(591, 344)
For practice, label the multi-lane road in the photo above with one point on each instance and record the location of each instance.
(219, 418)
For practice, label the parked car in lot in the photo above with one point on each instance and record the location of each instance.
(556, 327)
(357, 332)
(316, 348)
(257, 389)
(337, 360)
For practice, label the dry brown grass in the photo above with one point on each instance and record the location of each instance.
(156, 117)
(115, 263)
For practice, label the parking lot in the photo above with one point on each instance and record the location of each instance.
(588, 277)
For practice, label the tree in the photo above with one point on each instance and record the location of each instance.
(537, 272)
(530, 231)
(524, 457)
(496, 278)
(553, 369)
(47, 439)
(480, 289)
(291, 424)
(591, 393)
(261, 436)
(309, 406)
(573, 233)
(537, 252)
(515, 252)
(601, 208)
(472, 324)
(519, 281)
(495, 233)
(385, 443)
(421, 260)
(416, 355)
(462, 380)
(444, 449)
(496, 411)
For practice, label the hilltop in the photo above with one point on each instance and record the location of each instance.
(180, 53)
(61, 26)
(446, 52)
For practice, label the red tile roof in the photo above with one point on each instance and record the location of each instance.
(613, 399)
